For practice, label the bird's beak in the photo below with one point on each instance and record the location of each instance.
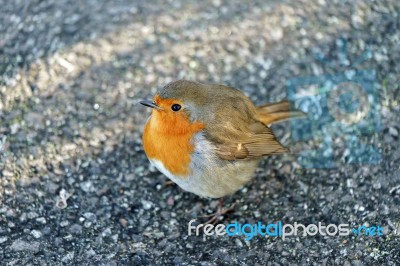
(150, 104)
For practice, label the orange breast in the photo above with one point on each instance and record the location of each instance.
(167, 137)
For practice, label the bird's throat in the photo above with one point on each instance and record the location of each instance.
(169, 140)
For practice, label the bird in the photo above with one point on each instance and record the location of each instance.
(210, 138)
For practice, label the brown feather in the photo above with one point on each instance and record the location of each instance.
(277, 112)
(258, 142)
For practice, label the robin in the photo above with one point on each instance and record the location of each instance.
(209, 138)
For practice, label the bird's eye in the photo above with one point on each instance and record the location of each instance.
(176, 107)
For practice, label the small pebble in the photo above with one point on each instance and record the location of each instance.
(393, 131)
(36, 234)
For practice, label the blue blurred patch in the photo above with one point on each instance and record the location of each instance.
(341, 105)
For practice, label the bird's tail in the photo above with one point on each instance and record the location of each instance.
(277, 112)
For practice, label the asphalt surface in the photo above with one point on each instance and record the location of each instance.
(76, 187)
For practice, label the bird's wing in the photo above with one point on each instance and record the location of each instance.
(237, 135)
(260, 141)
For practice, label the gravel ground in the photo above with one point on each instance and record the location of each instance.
(76, 187)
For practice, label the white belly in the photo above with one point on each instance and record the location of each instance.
(210, 176)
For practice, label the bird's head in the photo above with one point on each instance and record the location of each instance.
(178, 106)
